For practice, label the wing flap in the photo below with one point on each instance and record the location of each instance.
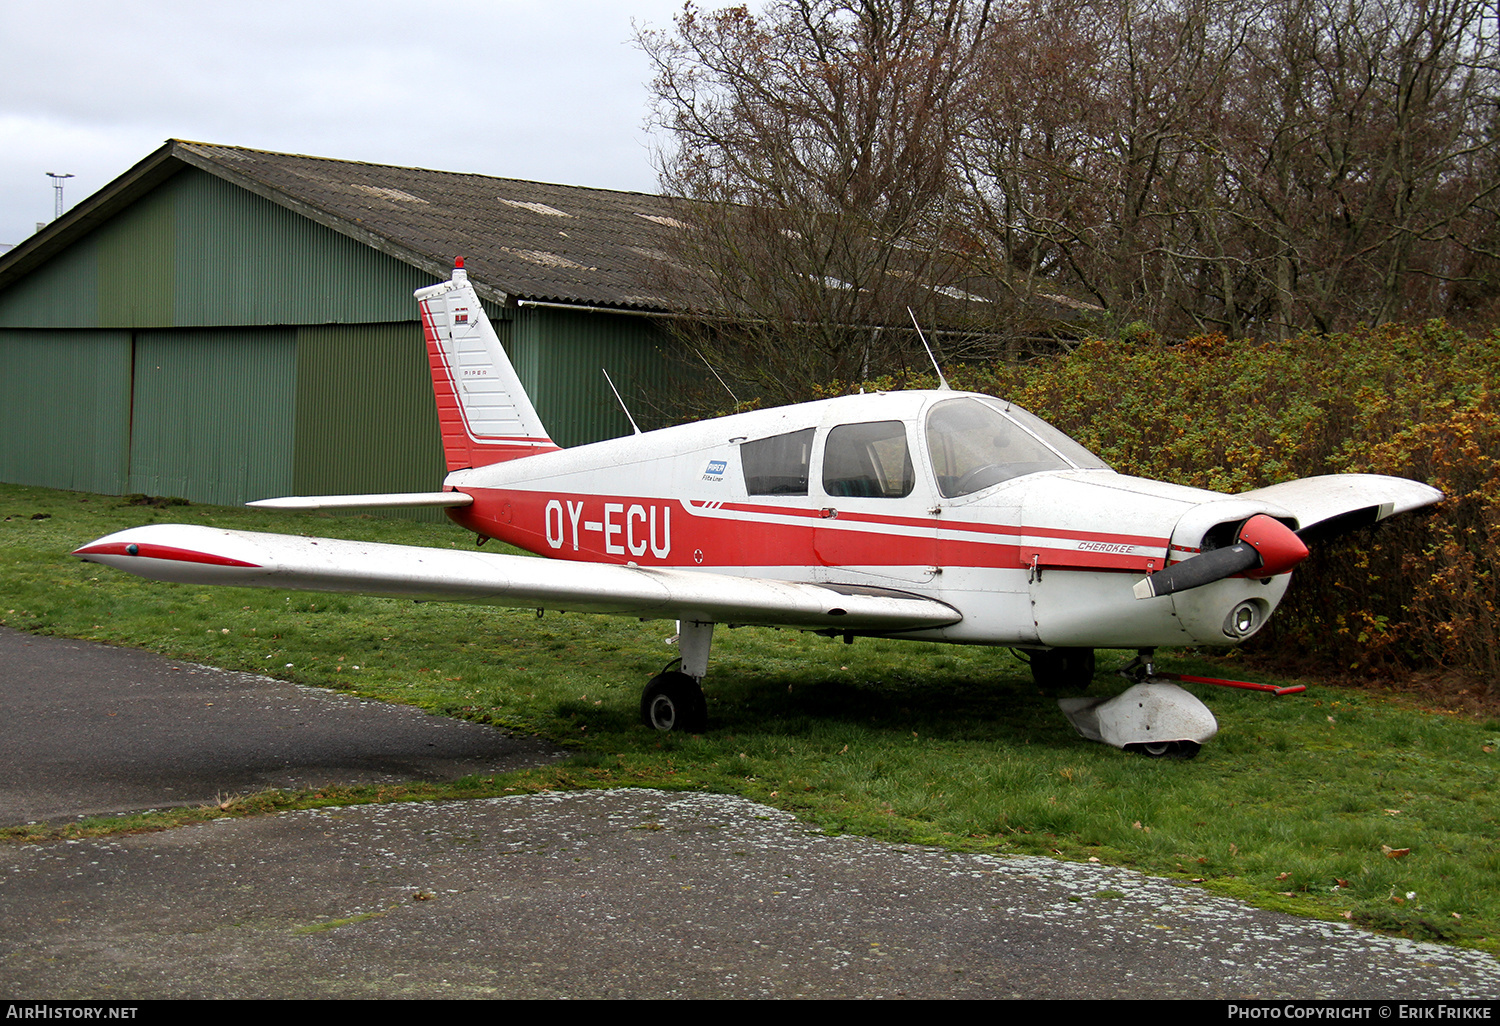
(204, 555)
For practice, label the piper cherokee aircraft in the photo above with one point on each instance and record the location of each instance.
(932, 515)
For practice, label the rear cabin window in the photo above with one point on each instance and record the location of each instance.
(868, 461)
(777, 465)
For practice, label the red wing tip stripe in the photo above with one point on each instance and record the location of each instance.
(149, 551)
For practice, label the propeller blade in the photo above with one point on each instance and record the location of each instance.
(1264, 547)
(1205, 568)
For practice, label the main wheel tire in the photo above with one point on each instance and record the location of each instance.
(674, 701)
(1166, 749)
(1063, 670)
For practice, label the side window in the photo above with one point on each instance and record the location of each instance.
(777, 465)
(868, 460)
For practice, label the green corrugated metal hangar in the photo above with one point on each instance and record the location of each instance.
(224, 324)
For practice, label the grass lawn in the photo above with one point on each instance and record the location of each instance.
(1338, 803)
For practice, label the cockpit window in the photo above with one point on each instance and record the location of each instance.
(777, 465)
(975, 443)
(868, 460)
(1054, 439)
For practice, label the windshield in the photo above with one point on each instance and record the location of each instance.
(976, 443)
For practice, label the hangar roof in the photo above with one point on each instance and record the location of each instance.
(521, 240)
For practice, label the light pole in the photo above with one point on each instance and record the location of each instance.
(57, 189)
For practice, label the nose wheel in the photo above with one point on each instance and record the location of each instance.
(674, 701)
(1166, 749)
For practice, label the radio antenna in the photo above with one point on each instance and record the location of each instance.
(716, 374)
(616, 391)
(942, 381)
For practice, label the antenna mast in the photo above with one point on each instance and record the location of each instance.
(616, 391)
(942, 381)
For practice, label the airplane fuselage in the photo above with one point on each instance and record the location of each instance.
(866, 490)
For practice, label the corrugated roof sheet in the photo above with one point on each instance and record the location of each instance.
(530, 240)
(519, 239)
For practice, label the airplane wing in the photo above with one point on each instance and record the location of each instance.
(1336, 502)
(192, 554)
(388, 500)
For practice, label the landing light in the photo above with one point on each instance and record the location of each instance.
(1244, 619)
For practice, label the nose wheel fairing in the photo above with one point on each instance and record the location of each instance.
(1152, 717)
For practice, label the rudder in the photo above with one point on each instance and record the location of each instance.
(484, 412)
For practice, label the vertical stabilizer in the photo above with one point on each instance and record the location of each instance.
(485, 414)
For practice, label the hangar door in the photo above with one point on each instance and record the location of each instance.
(213, 413)
(65, 408)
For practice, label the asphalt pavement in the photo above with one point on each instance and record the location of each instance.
(605, 894)
(92, 730)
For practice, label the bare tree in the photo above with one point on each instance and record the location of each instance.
(1247, 166)
(1098, 158)
(816, 142)
(1368, 135)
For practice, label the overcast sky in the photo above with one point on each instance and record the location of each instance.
(550, 91)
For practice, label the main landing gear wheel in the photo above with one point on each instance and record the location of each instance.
(1059, 670)
(674, 701)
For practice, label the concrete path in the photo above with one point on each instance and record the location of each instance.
(595, 894)
(645, 894)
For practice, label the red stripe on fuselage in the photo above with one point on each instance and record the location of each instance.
(669, 532)
(936, 523)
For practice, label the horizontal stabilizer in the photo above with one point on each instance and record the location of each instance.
(392, 500)
(204, 555)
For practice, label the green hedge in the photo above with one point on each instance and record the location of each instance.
(1413, 401)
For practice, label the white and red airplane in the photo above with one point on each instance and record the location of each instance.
(932, 515)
